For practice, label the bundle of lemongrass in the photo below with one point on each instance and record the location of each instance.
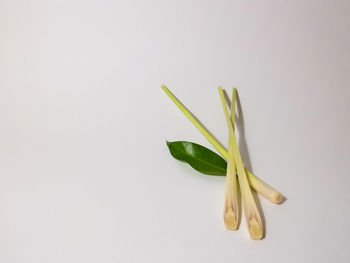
(209, 163)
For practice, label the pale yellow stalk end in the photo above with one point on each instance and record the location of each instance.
(255, 229)
(231, 210)
(230, 219)
(264, 189)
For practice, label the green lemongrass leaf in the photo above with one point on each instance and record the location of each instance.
(198, 157)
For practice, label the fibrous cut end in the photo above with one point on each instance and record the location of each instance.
(230, 219)
(255, 229)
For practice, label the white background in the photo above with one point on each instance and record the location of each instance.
(85, 175)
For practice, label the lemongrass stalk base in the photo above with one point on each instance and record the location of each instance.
(255, 231)
(264, 189)
(231, 211)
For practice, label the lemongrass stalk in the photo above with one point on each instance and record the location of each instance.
(251, 211)
(195, 122)
(231, 211)
(233, 107)
(262, 188)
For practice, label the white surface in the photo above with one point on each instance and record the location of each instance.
(84, 169)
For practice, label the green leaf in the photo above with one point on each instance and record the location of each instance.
(198, 157)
